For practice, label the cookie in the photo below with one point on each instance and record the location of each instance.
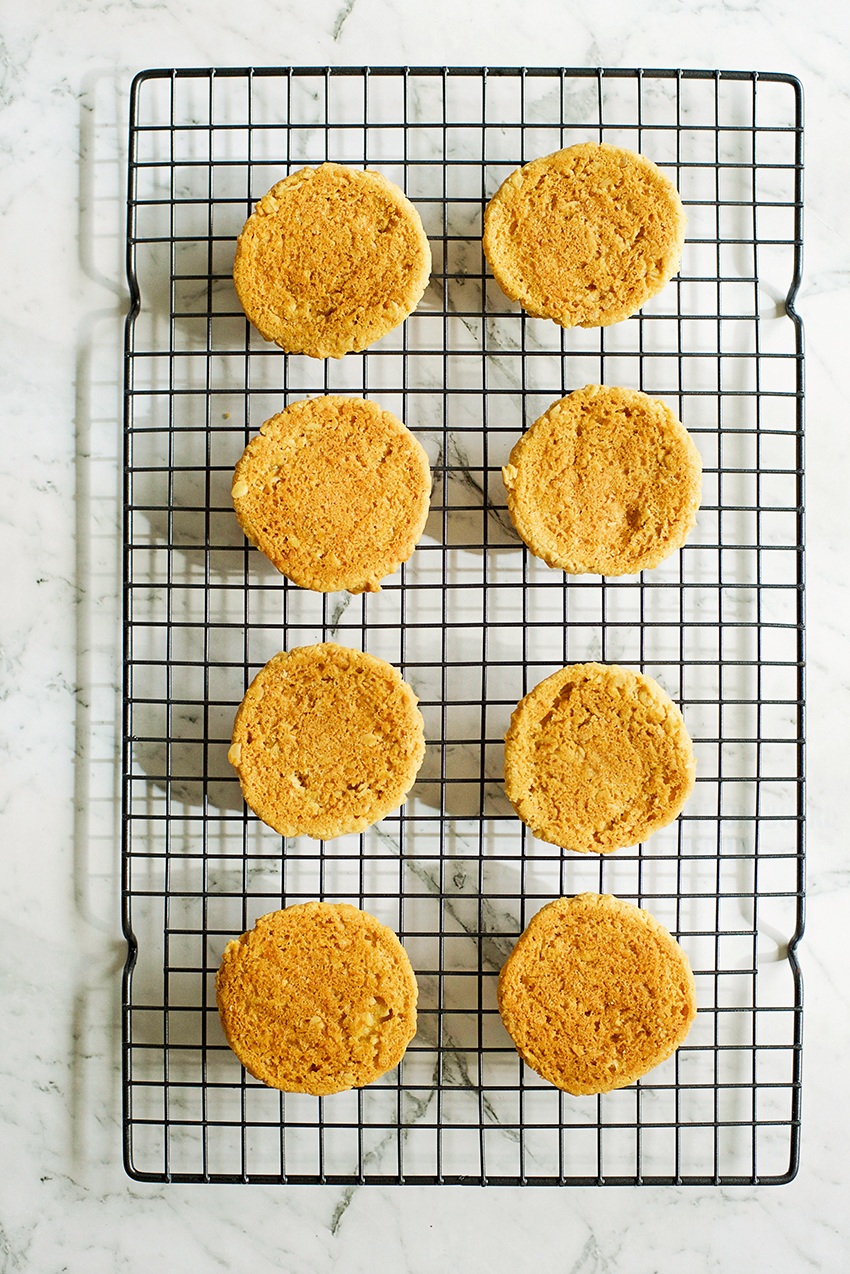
(318, 999)
(335, 492)
(597, 758)
(607, 481)
(585, 236)
(332, 259)
(327, 741)
(596, 993)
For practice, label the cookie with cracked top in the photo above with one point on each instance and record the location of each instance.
(327, 741)
(596, 993)
(335, 492)
(606, 482)
(597, 758)
(331, 259)
(317, 998)
(585, 236)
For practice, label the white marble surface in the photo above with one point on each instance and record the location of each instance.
(65, 1203)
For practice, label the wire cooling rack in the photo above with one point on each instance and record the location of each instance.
(472, 621)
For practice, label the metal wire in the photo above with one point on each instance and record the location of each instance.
(472, 621)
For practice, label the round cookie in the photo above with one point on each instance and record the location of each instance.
(318, 998)
(331, 259)
(607, 481)
(597, 758)
(335, 492)
(585, 236)
(327, 741)
(596, 993)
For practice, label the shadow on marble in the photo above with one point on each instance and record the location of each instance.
(95, 1019)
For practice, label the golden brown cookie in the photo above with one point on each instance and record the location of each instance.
(607, 481)
(317, 999)
(326, 741)
(585, 236)
(596, 993)
(335, 492)
(597, 758)
(331, 259)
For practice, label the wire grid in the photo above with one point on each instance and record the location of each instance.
(473, 622)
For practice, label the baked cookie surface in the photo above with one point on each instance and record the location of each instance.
(317, 998)
(335, 492)
(326, 741)
(607, 481)
(585, 236)
(332, 259)
(597, 758)
(596, 993)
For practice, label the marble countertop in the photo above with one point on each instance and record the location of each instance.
(65, 1202)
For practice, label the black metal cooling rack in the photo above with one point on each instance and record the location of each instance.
(472, 621)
